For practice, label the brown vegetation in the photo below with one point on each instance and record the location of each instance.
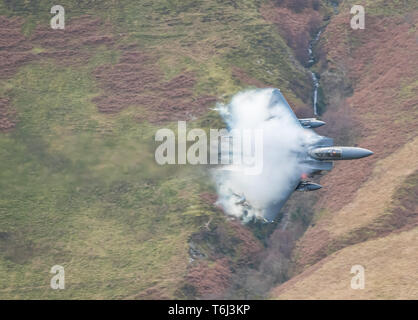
(365, 201)
(222, 250)
(7, 116)
(210, 279)
(15, 49)
(71, 46)
(244, 78)
(136, 80)
(390, 272)
(297, 22)
(377, 101)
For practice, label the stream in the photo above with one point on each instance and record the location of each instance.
(315, 79)
(312, 61)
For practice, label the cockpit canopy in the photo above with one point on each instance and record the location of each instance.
(328, 153)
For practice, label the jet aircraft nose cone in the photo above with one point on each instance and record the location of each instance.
(355, 153)
(315, 186)
(367, 153)
(318, 123)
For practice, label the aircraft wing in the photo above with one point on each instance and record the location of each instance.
(271, 213)
(280, 108)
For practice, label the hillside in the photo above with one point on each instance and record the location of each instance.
(368, 213)
(80, 187)
(79, 108)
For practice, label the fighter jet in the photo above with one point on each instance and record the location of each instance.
(318, 156)
(241, 199)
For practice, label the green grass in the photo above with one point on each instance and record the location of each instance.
(81, 189)
(382, 7)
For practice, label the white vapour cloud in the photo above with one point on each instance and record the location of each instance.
(249, 196)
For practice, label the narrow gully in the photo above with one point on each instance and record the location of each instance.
(315, 79)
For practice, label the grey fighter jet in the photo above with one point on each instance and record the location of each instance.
(318, 157)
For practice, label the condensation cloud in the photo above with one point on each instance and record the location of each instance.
(284, 148)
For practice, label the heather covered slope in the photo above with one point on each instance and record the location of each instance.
(390, 272)
(79, 186)
(367, 213)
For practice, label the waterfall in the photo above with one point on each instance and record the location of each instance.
(315, 80)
